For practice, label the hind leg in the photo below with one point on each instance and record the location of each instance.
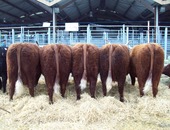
(141, 87)
(104, 89)
(63, 89)
(156, 79)
(132, 79)
(121, 84)
(50, 94)
(92, 87)
(77, 87)
(31, 91)
(11, 89)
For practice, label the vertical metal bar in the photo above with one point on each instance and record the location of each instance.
(49, 35)
(141, 38)
(21, 40)
(0, 35)
(54, 23)
(166, 41)
(88, 34)
(133, 36)
(13, 36)
(104, 37)
(123, 33)
(127, 34)
(28, 36)
(156, 22)
(71, 38)
(148, 31)
(152, 35)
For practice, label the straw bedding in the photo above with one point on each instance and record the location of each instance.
(102, 113)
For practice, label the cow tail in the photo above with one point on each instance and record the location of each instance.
(109, 77)
(19, 85)
(57, 78)
(148, 83)
(83, 81)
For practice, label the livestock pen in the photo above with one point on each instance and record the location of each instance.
(101, 113)
(91, 33)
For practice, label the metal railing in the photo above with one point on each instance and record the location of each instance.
(95, 34)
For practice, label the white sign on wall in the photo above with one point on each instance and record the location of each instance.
(71, 26)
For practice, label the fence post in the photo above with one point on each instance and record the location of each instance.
(133, 37)
(105, 37)
(152, 35)
(49, 35)
(148, 31)
(88, 34)
(13, 36)
(127, 34)
(123, 33)
(71, 38)
(166, 40)
(141, 38)
(22, 35)
(28, 33)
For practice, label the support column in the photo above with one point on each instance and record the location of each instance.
(156, 23)
(54, 23)
(166, 41)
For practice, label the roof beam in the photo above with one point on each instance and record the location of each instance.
(83, 16)
(5, 12)
(129, 8)
(67, 4)
(77, 8)
(102, 4)
(64, 6)
(115, 6)
(41, 6)
(48, 9)
(13, 5)
(90, 7)
(147, 5)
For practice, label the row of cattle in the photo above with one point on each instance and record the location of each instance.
(26, 62)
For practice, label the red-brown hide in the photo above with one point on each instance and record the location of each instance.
(147, 62)
(56, 67)
(25, 55)
(85, 67)
(166, 71)
(118, 57)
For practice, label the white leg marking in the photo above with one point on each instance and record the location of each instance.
(147, 86)
(19, 88)
(83, 83)
(56, 88)
(109, 83)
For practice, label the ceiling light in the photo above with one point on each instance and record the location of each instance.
(39, 13)
(22, 16)
(32, 14)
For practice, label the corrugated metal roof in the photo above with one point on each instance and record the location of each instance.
(33, 11)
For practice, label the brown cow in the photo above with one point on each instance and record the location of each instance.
(166, 71)
(23, 67)
(56, 67)
(85, 67)
(114, 65)
(146, 64)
